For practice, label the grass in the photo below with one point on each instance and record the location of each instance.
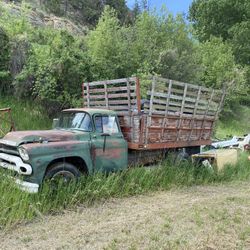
(17, 206)
(237, 124)
(26, 114)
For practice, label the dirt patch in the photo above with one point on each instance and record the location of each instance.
(206, 217)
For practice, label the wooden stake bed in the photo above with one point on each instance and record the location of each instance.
(173, 114)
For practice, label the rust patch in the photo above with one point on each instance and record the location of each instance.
(113, 153)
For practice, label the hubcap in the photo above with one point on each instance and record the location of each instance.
(63, 175)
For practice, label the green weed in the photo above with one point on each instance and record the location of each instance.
(236, 124)
(27, 115)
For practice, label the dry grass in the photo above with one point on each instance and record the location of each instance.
(200, 217)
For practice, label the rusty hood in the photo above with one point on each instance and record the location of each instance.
(42, 136)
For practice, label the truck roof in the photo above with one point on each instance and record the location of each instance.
(91, 111)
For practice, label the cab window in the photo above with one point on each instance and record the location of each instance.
(106, 124)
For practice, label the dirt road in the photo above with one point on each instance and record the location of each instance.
(207, 217)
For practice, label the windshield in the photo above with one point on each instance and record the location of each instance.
(75, 120)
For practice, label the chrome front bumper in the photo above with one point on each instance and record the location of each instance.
(15, 163)
(27, 186)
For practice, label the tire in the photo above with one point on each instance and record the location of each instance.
(181, 157)
(62, 171)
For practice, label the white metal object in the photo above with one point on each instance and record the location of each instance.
(27, 186)
(15, 163)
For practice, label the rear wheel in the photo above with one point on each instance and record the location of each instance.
(62, 172)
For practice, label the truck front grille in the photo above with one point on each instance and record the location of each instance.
(8, 149)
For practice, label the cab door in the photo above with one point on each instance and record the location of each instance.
(108, 147)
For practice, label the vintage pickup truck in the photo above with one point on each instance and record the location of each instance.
(114, 129)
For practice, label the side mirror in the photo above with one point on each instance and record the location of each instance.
(55, 123)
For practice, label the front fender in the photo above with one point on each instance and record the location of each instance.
(42, 154)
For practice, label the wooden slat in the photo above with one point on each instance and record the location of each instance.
(206, 112)
(164, 121)
(110, 102)
(111, 89)
(115, 81)
(120, 107)
(151, 107)
(106, 95)
(138, 94)
(180, 98)
(194, 113)
(182, 109)
(177, 83)
(88, 96)
(113, 96)
(90, 91)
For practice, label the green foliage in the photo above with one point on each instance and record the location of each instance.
(54, 6)
(50, 65)
(4, 60)
(105, 45)
(154, 44)
(46, 64)
(227, 19)
(18, 206)
(27, 115)
(217, 17)
(234, 123)
(239, 38)
(56, 66)
(218, 66)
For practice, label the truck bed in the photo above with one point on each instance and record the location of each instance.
(171, 114)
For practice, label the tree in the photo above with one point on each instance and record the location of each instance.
(91, 10)
(4, 61)
(228, 19)
(162, 45)
(120, 7)
(217, 64)
(218, 70)
(106, 47)
(137, 9)
(54, 6)
(217, 17)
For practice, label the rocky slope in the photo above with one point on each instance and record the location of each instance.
(37, 17)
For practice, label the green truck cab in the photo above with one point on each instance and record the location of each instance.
(83, 141)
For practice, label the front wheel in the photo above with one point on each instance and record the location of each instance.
(62, 172)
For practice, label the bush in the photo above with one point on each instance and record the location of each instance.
(4, 61)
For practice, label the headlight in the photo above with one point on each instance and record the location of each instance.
(23, 153)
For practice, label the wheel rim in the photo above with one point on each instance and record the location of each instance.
(64, 176)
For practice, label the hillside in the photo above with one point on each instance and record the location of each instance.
(41, 18)
(81, 12)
